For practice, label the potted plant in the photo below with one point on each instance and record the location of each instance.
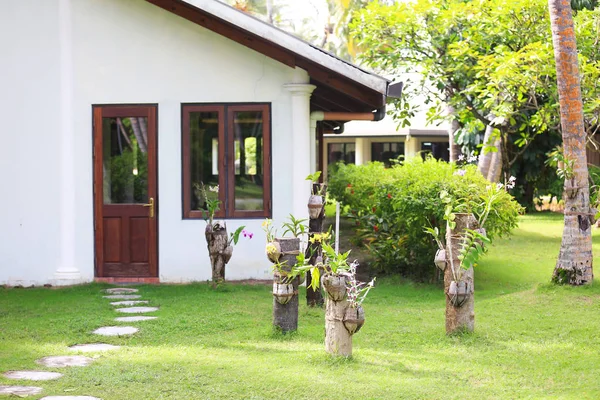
(220, 245)
(354, 317)
(316, 199)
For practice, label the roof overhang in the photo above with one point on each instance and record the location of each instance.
(341, 86)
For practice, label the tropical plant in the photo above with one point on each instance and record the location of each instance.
(574, 264)
(295, 226)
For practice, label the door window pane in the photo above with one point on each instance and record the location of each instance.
(248, 164)
(341, 152)
(439, 150)
(125, 160)
(204, 157)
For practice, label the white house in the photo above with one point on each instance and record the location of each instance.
(365, 141)
(114, 112)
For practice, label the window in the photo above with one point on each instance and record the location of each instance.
(439, 150)
(385, 152)
(227, 146)
(341, 152)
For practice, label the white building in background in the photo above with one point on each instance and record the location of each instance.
(114, 111)
(365, 141)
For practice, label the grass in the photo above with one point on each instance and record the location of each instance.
(532, 340)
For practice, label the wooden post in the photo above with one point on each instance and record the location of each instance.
(285, 316)
(219, 250)
(337, 339)
(461, 318)
(314, 297)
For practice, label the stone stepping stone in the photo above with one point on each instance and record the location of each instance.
(128, 302)
(134, 319)
(121, 290)
(20, 391)
(32, 375)
(70, 397)
(92, 347)
(65, 361)
(116, 330)
(137, 310)
(123, 296)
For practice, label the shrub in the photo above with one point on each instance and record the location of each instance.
(392, 206)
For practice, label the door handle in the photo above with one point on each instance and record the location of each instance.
(151, 205)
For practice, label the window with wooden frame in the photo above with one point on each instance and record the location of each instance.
(227, 147)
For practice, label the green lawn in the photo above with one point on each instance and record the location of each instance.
(532, 340)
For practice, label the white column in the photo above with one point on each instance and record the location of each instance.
(359, 151)
(302, 143)
(411, 147)
(67, 272)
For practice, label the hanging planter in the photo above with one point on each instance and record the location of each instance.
(440, 259)
(273, 250)
(283, 292)
(335, 286)
(458, 293)
(315, 206)
(354, 319)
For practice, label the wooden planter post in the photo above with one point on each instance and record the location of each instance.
(285, 316)
(459, 319)
(219, 249)
(338, 340)
(314, 297)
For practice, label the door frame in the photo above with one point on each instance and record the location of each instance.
(100, 111)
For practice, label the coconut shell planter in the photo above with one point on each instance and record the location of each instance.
(354, 319)
(335, 286)
(440, 259)
(283, 292)
(458, 293)
(315, 206)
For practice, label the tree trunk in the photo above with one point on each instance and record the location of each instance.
(495, 165)
(219, 250)
(454, 126)
(485, 159)
(337, 339)
(285, 316)
(574, 264)
(314, 297)
(461, 318)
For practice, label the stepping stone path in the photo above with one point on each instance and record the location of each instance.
(93, 347)
(65, 361)
(70, 397)
(123, 296)
(20, 391)
(137, 310)
(116, 330)
(134, 319)
(121, 290)
(128, 302)
(82, 361)
(32, 375)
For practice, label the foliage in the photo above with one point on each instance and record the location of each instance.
(295, 226)
(393, 211)
(492, 61)
(357, 291)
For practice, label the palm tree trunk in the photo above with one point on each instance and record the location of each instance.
(485, 159)
(454, 126)
(574, 265)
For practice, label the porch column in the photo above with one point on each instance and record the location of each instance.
(67, 272)
(303, 146)
(411, 147)
(359, 151)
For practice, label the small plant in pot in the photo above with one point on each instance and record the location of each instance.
(316, 199)
(354, 317)
(220, 244)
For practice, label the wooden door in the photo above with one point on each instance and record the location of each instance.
(125, 191)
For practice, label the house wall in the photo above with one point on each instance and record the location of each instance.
(29, 152)
(129, 51)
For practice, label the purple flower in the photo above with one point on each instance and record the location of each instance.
(461, 172)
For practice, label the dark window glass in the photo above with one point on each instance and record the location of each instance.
(439, 150)
(385, 152)
(125, 160)
(204, 156)
(248, 149)
(341, 152)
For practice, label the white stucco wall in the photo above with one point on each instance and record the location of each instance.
(125, 51)
(29, 149)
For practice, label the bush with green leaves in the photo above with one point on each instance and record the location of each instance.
(392, 206)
